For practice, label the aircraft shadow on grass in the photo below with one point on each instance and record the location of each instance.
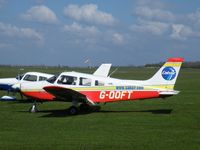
(17, 101)
(96, 109)
(154, 111)
(64, 112)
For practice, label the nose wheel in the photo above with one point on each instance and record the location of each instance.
(33, 108)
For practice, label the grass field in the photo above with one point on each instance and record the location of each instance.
(154, 124)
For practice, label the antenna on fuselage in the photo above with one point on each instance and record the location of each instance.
(113, 72)
(88, 61)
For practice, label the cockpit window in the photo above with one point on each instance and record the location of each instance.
(42, 78)
(53, 79)
(69, 80)
(20, 76)
(30, 78)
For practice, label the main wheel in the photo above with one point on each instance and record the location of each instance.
(85, 107)
(73, 110)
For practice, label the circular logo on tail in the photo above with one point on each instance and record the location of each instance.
(168, 73)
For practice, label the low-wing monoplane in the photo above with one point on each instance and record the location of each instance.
(91, 89)
(13, 84)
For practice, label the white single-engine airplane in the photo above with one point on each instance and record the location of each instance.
(88, 89)
(12, 84)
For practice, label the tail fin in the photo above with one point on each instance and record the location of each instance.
(166, 76)
(103, 70)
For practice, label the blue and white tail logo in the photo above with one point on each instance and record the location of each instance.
(166, 76)
(168, 73)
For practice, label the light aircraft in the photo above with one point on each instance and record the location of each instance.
(88, 89)
(12, 84)
(33, 88)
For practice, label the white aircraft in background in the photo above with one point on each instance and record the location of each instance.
(13, 84)
(88, 89)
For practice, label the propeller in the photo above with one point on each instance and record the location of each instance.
(17, 87)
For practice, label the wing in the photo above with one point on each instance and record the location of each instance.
(65, 94)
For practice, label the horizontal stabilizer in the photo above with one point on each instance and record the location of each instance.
(8, 98)
(169, 92)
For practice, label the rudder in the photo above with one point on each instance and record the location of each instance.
(166, 76)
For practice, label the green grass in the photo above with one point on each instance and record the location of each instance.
(173, 123)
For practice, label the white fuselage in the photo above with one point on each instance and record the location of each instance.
(14, 83)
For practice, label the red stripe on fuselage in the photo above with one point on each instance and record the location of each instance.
(112, 96)
(100, 96)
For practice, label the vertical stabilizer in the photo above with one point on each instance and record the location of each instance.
(103, 70)
(166, 76)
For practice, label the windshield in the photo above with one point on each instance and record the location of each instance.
(53, 79)
(29, 77)
(20, 76)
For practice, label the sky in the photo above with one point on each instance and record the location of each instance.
(74, 32)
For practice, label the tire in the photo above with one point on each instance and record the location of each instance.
(85, 107)
(73, 110)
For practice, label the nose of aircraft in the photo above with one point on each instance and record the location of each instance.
(6, 83)
(25, 88)
(31, 86)
(16, 86)
(35, 90)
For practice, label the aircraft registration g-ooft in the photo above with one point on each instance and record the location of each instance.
(87, 89)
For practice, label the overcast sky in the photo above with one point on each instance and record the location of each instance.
(121, 32)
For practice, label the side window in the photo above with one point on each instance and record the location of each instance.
(85, 81)
(42, 78)
(69, 80)
(99, 83)
(30, 78)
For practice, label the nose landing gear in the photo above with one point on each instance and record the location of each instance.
(33, 108)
